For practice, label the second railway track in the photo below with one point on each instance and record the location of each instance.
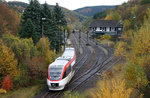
(88, 64)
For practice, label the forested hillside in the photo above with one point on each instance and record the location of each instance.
(131, 77)
(26, 50)
(74, 19)
(90, 11)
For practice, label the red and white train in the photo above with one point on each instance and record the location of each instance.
(61, 71)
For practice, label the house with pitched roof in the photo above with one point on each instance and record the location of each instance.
(105, 27)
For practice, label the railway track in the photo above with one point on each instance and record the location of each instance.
(91, 71)
(99, 60)
(79, 63)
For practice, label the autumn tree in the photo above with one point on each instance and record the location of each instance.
(23, 48)
(7, 83)
(9, 20)
(44, 50)
(113, 16)
(8, 63)
(135, 76)
(138, 69)
(110, 88)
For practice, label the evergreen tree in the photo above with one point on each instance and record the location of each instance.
(59, 16)
(50, 28)
(32, 12)
(28, 29)
(60, 22)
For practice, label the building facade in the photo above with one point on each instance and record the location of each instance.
(105, 27)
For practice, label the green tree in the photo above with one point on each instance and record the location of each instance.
(28, 30)
(32, 12)
(60, 21)
(145, 2)
(59, 16)
(49, 25)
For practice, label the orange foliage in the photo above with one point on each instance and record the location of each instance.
(9, 20)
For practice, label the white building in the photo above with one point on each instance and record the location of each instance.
(105, 27)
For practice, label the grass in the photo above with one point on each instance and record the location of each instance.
(28, 92)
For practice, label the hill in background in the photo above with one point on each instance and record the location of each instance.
(74, 19)
(90, 11)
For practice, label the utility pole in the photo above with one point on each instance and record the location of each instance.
(43, 35)
(59, 28)
(134, 25)
(64, 39)
(87, 37)
(79, 40)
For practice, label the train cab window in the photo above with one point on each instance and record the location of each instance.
(55, 72)
(67, 71)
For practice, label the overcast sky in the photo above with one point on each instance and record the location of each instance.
(75, 4)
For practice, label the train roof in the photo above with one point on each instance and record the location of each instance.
(65, 58)
(69, 53)
(59, 63)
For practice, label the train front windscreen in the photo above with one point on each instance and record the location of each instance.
(55, 72)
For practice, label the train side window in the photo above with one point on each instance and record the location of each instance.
(68, 70)
(64, 75)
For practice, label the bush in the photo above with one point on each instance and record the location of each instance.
(120, 49)
(7, 83)
(37, 69)
(114, 88)
(3, 91)
(135, 76)
(105, 37)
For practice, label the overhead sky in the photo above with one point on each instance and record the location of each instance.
(75, 4)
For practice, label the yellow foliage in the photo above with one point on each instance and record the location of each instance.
(140, 45)
(120, 49)
(114, 88)
(3, 91)
(43, 48)
(105, 37)
(113, 16)
(138, 69)
(7, 61)
(134, 9)
(126, 24)
(135, 76)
